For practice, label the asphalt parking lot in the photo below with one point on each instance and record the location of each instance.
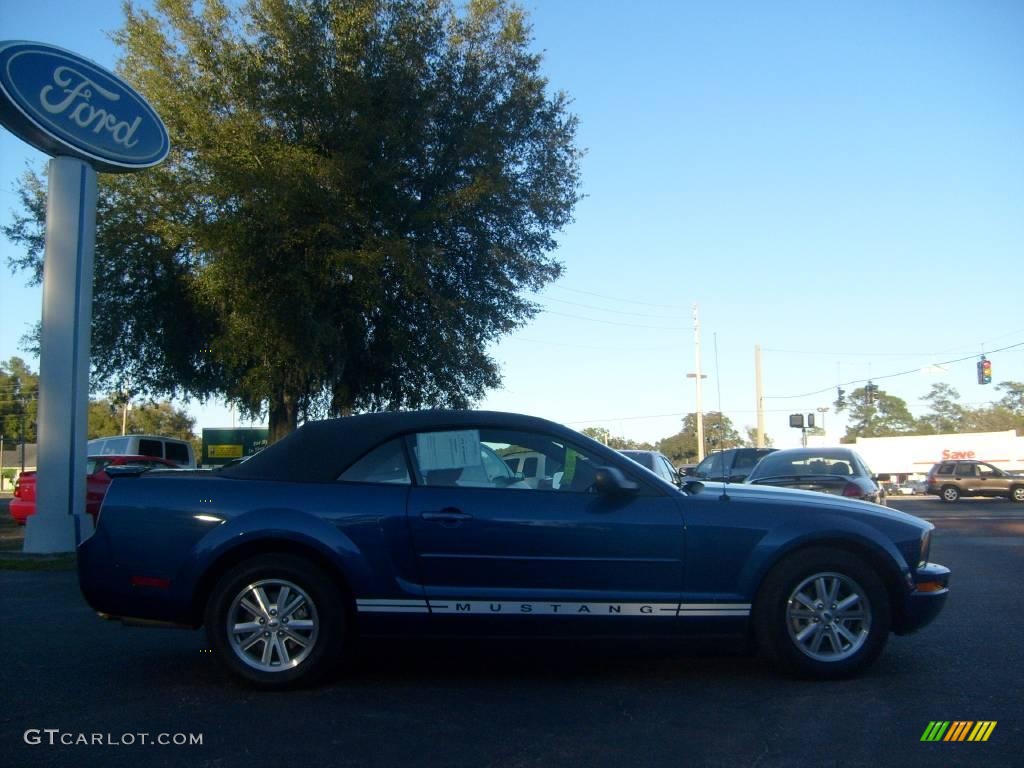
(503, 705)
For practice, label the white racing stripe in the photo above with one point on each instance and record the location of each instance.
(547, 608)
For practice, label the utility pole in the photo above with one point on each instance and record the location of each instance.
(760, 395)
(698, 376)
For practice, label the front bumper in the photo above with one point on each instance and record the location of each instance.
(923, 603)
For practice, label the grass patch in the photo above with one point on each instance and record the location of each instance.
(65, 562)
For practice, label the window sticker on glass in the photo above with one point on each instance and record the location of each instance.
(448, 450)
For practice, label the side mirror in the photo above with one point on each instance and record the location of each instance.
(690, 472)
(612, 480)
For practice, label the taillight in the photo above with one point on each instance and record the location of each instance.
(17, 488)
(852, 491)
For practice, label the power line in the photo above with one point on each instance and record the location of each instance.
(613, 311)
(612, 322)
(680, 307)
(889, 375)
(602, 348)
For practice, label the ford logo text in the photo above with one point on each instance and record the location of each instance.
(63, 104)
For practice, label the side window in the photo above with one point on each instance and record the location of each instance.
(987, 470)
(530, 466)
(967, 470)
(151, 448)
(946, 469)
(461, 458)
(712, 466)
(667, 470)
(176, 452)
(384, 464)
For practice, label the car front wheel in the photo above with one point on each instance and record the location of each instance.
(1017, 494)
(276, 621)
(822, 613)
(950, 494)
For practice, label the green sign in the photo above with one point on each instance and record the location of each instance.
(221, 446)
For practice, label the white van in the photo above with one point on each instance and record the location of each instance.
(172, 449)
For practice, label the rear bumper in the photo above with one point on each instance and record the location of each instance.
(925, 601)
(21, 510)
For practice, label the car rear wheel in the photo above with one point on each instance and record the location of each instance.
(950, 494)
(1017, 494)
(822, 613)
(276, 621)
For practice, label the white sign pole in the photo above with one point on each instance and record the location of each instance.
(60, 521)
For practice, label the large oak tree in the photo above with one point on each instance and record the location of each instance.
(360, 197)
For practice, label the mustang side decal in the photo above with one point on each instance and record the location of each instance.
(526, 608)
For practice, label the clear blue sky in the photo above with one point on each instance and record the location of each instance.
(841, 183)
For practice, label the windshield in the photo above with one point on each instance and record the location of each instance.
(780, 464)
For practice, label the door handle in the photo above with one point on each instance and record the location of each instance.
(449, 515)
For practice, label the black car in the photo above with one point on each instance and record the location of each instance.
(657, 462)
(839, 471)
(732, 465)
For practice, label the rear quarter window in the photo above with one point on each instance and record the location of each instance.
(151, 448)
(176, 452)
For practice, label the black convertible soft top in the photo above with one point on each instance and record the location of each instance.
(319, 451)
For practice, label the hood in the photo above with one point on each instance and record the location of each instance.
(768, 494)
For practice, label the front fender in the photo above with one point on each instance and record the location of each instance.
(833, 530)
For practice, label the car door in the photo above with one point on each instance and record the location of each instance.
(496, 554)
(967, 476)
(991, 481)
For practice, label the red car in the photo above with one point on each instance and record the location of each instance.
(96, 483)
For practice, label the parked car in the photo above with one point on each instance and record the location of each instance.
(23, 503)
(838, 471)
(657, 462)
(952, 479)
(170, 448)
(360, 526)
(731, 465)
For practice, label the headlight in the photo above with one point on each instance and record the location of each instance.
(926, 546)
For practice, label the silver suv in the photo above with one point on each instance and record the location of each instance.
(950, 480)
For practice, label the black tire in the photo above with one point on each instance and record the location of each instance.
(1017, 493)
(950, 494)
(786, 629)
(276, 657)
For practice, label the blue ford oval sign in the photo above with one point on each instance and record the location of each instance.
(63, 104)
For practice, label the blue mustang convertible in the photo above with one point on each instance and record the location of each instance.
(417, 523)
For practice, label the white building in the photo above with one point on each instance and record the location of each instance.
(915, 454)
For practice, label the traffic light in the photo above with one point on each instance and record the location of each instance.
(840, 398)
(870, 390)
(984, 370)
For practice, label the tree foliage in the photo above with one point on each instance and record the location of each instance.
(882, 415)
(605, 436)
(359, 198)
(719, 434)
(751, 441)
(19, 398)
(148, 418)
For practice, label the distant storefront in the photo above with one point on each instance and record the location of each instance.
(915, 454)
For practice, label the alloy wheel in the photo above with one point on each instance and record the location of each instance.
(272, 625)
(828, 616)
